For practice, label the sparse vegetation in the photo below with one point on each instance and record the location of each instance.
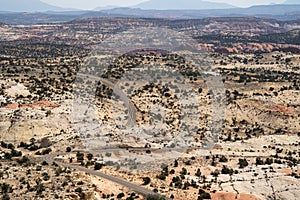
(258, 141)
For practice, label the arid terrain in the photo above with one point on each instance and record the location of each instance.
(156, 111)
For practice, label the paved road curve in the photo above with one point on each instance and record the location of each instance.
(127, 102)
(141, 190)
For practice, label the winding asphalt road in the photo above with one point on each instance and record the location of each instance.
(138, 189)
(131, 108)
(132, 116)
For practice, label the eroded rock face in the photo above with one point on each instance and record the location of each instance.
(37, 104)
(231, 196)
(20, 122)
(41, 104)
(16, 90)
(12, 106)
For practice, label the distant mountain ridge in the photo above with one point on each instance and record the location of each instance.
(270, 11)
(284, 12)
(181, 5)
(27, 6)
(105, 8)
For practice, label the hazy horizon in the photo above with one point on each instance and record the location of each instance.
(80, 4)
